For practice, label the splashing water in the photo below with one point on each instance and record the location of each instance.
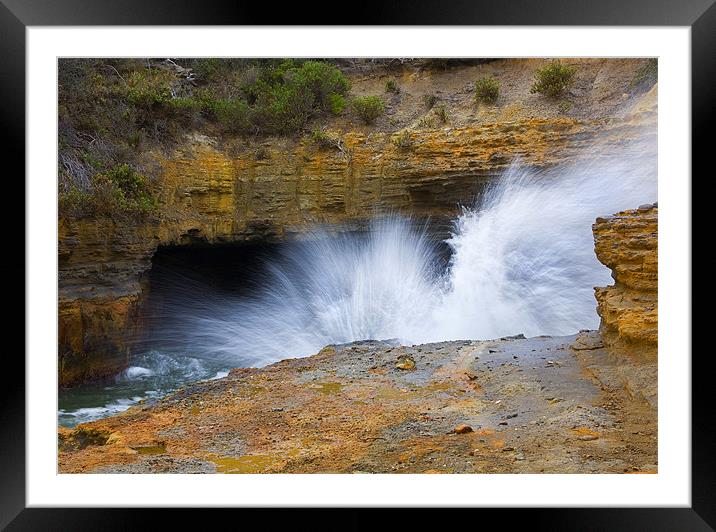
(324, 290)
(522, 261)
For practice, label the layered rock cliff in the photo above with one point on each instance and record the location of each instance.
(219, 190)
(208, 195)
(545, 404)
(627, 243)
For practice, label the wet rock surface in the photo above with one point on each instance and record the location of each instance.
(544, 404)
(216, 191)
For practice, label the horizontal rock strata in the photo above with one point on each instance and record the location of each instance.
(218, 192)
(627, 243)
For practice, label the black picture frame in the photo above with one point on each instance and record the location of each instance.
(699, 15)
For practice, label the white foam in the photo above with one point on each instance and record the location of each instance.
(137, 372)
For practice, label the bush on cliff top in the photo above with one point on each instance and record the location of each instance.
(554, 79)
(119, 192)
(112, 111)
(487, 89)
(368, 108)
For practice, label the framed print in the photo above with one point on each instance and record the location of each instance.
(426, 260)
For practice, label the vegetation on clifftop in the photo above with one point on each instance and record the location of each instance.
(487, 89)
(368, 108)
(115, 112)
(111, 110)
(554, 79)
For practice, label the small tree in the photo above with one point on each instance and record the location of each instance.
(554, 79)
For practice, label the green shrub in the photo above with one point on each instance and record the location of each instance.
(487, 89)
(429, 100)
(441, 113)
(368, 108)
(554, 79)
(263, 96)
(336, 103)
(147, 91)
(392, 86)
(322, 79)
(119, 192)
(283, 96)
(403, 141)
(127, 180)
(323, 140)
(123, 189)
(283, 108)
(232, 115)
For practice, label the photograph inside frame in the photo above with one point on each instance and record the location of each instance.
(388, 265)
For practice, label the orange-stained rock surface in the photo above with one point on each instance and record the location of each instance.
(627, 243)
(574, 404)
(511, 405)
(93, 337)
(217, 190)
(208, 194)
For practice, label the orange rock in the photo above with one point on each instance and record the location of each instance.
(627, 242)
(213, 190)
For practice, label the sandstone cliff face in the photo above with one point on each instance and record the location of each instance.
(100, 267)
(210, 193)
(224, 190)
(627, 243)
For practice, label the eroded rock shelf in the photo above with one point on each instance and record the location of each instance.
(577, 404)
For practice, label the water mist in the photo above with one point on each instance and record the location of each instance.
(522, 261)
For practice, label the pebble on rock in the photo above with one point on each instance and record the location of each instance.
(588, 437)
(462, 428)
(405, 362)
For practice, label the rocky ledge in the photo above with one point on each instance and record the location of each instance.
(574, 404)
(627, 243)
(214, 190)
(509, 405)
